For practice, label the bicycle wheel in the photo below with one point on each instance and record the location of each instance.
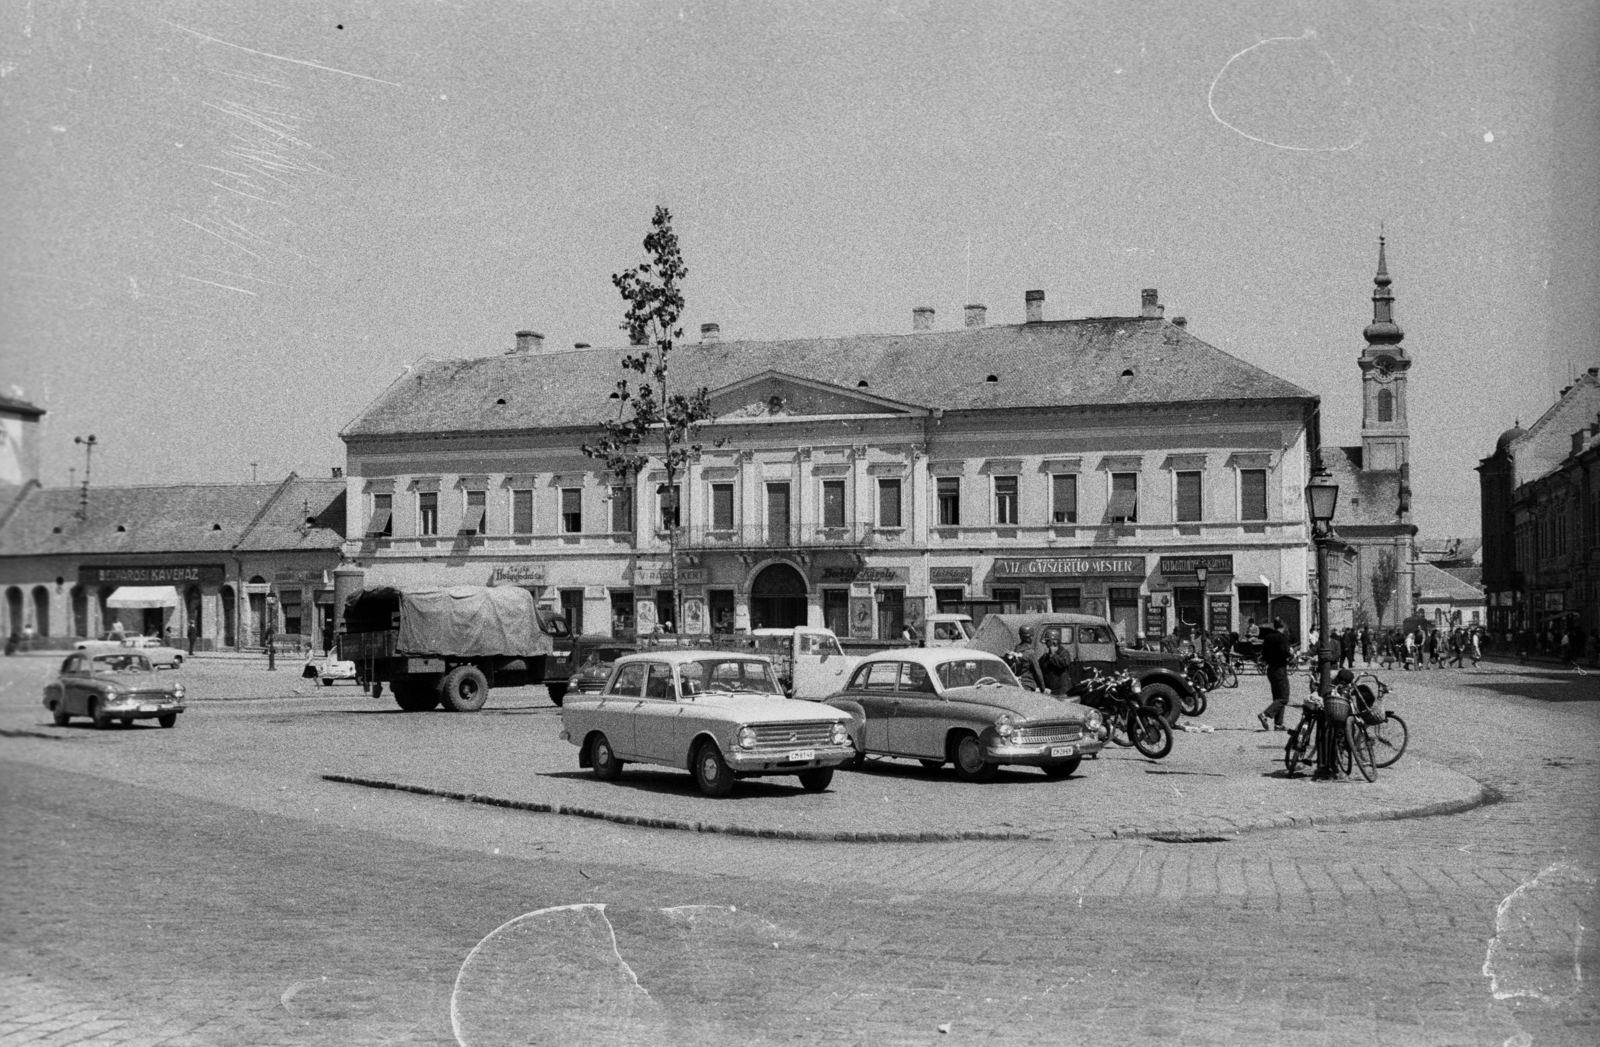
(1301, 744)
(1150, 733)
(1358, 742)
(1388, 740)
(1342, 754)
(1229, 675)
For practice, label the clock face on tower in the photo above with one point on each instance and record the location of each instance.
(1385, 366)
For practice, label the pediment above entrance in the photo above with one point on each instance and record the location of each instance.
(774, 394)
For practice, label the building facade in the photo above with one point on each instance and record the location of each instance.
(1541, 517)
(225, 561)
(857, 483)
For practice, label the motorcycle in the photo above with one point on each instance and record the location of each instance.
(1126, 722)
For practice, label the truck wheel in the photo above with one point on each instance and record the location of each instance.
(415, 699)
(464, 689)
(1163, 699)
(558, 692)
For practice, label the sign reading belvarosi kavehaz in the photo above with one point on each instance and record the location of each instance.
(1065, 566)
(164, 574)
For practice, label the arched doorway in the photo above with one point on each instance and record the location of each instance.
(778, 598)
(258, 612)
(13, 611)
(80, 611)
(41, 610)
(228, 610)
(191, 616)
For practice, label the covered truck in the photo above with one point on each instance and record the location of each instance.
(448, 647)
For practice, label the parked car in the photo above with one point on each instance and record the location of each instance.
(950, 705)
(593, 658)
(158, 653)
(720, 715)
(107, 686)
(329, 669)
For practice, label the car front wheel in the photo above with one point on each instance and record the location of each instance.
(102, 722)
(816, 780)
(969, 761)
(60, 717)
(169, 720)
(1064, 769)
(604, 760)
(711, 771)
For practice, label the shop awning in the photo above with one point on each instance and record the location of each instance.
(143, 596)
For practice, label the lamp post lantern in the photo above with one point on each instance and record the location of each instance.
(1322, 498)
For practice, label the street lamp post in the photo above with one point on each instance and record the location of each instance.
(271, 632)
(1322, 497)
(1205, 612)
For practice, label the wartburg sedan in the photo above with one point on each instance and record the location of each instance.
(964, 707)
(158, 653)
(108, 686)
(720, 715)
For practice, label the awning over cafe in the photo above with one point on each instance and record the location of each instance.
(143, 596)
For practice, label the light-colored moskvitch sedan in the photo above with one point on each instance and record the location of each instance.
(720, 715)
(953, 705)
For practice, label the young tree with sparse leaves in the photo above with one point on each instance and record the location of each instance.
(1385, 577)
(653, 423)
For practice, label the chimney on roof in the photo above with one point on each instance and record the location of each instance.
(976, 315)
(1033, 304)
(922, 318)
(338, 472)
(580, 345)
(527, 342)
(1180, 321)
(1150, 303)
(710, 333)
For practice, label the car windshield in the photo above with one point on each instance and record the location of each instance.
(965, 672)
(819, 643)
(952, 631)
(121, 663)
(603, 656)
(728, 674)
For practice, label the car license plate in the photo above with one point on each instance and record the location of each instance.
(1063, 750)
(150, 708)
(802, 754)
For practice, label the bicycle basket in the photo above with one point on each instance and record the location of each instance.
(1336, 708)
(1369, 705)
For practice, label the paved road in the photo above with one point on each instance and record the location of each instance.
(205, 886)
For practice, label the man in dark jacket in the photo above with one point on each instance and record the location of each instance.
(1055, 665)
(1275, 654)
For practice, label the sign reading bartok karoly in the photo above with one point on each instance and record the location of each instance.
(1091, 565)
(879, 575)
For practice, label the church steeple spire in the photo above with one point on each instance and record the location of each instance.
(1383, 330)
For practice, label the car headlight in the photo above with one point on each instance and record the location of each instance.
(839, 735)
(177, 692)
(1004, 727)
(1093, 722)
(747, 738)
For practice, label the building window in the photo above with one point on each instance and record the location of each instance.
(622, 510)
(427, 513)
(950, 501)
(1385, 405)
(621, 610)
(836, 610)
(889, 503)
(1010, 600)
(572, 510)
(1005, 499)
(382, 523)
(1252, 494)
(472, 520)
(1123, 507)
(1066, 599)
(778, 511)
(722, 507)
(832, 503)
(1189, 501)
(947, 599)
(1064, 498)
(289, 600)
(521, 512)
(670, 512)
(572, 610)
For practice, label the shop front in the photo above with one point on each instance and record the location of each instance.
(1102, 583)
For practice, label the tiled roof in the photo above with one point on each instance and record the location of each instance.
(16, 405)
(1436, 584)
(1472, 576)
(180, 518)
(1367, 498)
(1058, 363)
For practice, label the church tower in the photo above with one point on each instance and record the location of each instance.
(1385, 431)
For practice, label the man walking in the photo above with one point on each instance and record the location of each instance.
(1275, 654)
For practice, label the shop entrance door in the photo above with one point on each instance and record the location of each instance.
(1124, 613)
(1190, 604)
(778, 598)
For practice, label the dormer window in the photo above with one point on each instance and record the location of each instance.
(121, 529)
(216, 527)
(993, 379)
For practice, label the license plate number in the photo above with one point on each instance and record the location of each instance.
(802, 754)
(1063, 750)
(151, 708)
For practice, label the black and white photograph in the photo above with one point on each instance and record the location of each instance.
(655, 522)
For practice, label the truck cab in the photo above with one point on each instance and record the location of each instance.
(944, 629)
(810, 661)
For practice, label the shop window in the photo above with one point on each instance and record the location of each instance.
(381, 524)
(1189, 497)
(572, 510)
(832, 503)
(1252, 494)
(289, 602)
(1064, 498)
(1123, 507)
(1005, 499)
(667, 506)
(722, 507)
(889, 502)
(621, 612)
(622, 510)
(1010, 600)
(949, 501)
(719, 604)
(891, 613)
(427, 513)
(778, 512)
(472, 522)
(666, 610)
(946, 600)
(522, 512)
(836, 610)
(1070, 599)
(572, 610)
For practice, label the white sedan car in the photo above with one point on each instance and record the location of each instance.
(155, 652)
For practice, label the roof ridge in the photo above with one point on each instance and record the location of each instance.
(244, 532)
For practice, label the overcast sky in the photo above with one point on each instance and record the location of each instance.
(229, 226)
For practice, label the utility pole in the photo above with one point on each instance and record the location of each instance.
(88, 445)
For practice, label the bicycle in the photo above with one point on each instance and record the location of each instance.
(1385, 729)
(1353, 746)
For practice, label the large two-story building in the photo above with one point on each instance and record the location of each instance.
(860, 482)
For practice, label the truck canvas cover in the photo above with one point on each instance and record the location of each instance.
(471, 621)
